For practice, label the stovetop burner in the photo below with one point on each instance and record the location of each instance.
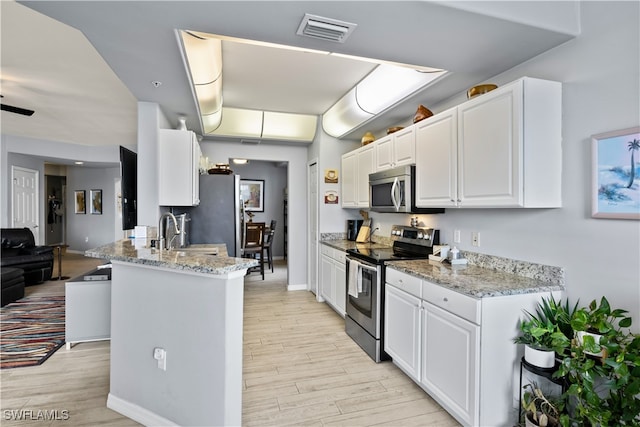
(408, 243)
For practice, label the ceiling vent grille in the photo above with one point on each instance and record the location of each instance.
(325, 28)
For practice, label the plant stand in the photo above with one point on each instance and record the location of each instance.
(552, 386)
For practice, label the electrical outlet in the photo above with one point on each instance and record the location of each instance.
(456, 236)
(475, 238)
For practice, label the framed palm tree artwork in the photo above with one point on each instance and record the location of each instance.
(616, 174)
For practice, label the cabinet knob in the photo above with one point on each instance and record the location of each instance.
(445, 299)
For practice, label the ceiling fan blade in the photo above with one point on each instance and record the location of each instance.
(17, 110)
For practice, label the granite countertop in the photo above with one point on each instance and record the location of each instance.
(477, 282)
(345, 245)
(189, 260)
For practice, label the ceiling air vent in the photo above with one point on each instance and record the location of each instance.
(325, 28)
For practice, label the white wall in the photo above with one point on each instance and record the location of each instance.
(86, 231)
(601, 83)
(328, 150)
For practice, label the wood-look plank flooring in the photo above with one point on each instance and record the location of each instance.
(300, 368)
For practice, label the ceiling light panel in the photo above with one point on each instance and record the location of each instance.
(290, 127)
(325, 28)
(204, 56)
(344, 116)
(388, 84)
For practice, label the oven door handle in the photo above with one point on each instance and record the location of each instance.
(363, 265)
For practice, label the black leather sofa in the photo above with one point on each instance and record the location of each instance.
(20, 251)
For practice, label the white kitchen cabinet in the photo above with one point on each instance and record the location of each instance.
(356, 167)
(508, 150)
(333, 278)
(458, 348)
(178, 168)
(402, 330)
(450, 361)
(436, 160)
(397, 149)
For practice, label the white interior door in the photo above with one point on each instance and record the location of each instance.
(24, 196)
(313, 227)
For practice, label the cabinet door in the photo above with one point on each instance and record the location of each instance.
(436, 160)
(450, 362)
(195, 167)
(341, 284)
(366, 165)
(402, 330)
(490, 149)
(384, 153)
(404, 147)
(176, 168)
(326, 278)
(349, 187)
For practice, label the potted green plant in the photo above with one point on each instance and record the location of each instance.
(538, 409)
(595, 321)
(603, 376)
(544, 332)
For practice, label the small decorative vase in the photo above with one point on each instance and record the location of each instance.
(182, 123)
(539, 358)
(368, 138)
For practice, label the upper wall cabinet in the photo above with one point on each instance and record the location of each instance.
(501, 149)
(178, 162)
(356, 167)
(397, 149)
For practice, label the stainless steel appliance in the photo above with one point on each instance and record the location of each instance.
(219, 218)
(393, 190)
(365, 267)
(353, 227)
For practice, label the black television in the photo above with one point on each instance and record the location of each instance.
(129, 188)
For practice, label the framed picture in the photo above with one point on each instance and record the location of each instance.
(616, 174)
(331, 176)
(252, 192)
(96, 202)
(81, 205)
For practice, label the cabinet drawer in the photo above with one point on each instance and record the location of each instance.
(459, 304)
(326, 250)
(340, 256)
(410, 284)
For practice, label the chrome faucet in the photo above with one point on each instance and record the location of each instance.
(162, 240)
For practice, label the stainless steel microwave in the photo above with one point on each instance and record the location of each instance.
(393, 190)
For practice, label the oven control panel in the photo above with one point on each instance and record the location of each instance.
(415, 235)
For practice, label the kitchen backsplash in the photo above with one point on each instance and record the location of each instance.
(545, 273)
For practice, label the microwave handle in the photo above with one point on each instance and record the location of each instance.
(396, 189)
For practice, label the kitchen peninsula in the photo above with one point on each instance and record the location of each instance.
(176, 334)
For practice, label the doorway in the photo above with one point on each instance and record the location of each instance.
(55, 209)
(312, 183)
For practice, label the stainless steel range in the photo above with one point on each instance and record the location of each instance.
(364, 321)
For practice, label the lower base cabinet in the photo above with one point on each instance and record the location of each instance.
(450, 361)
(333, 278)
(459, 349)
(402, 330)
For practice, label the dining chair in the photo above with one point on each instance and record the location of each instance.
(254, 243)
(268, 243)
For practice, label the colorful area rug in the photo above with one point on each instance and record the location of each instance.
(31, 330)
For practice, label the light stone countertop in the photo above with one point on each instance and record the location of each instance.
(484, 275)
(344, 245)
(196, 261)
(477, 282)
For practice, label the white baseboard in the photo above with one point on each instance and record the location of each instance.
(137, 413)
(296, 287)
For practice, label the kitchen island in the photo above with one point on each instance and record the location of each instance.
(176, 334)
